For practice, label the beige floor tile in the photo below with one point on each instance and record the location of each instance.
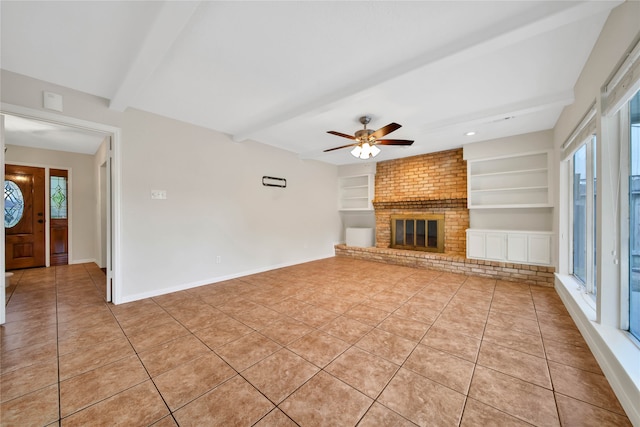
(325, 400)
(516, 340)
(580, 414)
(366, 314)
(224, 331)
(515, 363)
(258, 317)
(418, 310)
(346, 329)
(386, 345)
(513, 323)
(421, 400)
(86, 389)
(138, 405)
(188, 381)
(381, 416)
(169, 355)
(87, 359)
(285, 330)
(575, 356)
(470, 326)
(583, 385)
(452, 342)
(26, 380)
(407, 328)
(318, 347)
(36, 408)
(280, 374)
(167, 421)
(441, 367)
(156, 335)
(521, 399)
(235, 402)
(363, 371)
(314, 316)
(275, 418)
(26, 356)
(247, 351)
(478, 414)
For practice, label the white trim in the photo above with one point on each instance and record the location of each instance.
(116, 137)
(82, 261)
(581, 133)
(624, 82)
(185, 286)
(615, 352)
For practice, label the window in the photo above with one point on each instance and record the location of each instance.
(634, 216)
(58, 192)
(584, 215)
(13, 204)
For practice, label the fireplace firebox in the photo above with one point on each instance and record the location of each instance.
(418, 232)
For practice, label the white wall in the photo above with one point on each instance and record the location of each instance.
(82, 195)
(216, 204)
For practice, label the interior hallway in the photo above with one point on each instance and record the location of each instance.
(334, 342)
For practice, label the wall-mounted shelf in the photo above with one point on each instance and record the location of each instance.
(356, 192)
(519, 181)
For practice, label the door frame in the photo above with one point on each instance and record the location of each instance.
(114, 278)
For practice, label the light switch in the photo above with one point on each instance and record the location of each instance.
(158, 194)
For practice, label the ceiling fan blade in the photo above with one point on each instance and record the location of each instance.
(343, 146)
(385, 130)
(394, 142)
(344, 135)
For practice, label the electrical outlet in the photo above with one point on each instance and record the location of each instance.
(218, 259)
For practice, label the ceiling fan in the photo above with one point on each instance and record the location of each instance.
(367, 139)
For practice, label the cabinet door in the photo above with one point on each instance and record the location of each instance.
(517, 248)
(475, 244)
(539, 249)
(495, 246)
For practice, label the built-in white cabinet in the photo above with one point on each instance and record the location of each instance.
(356, 192)
(516, 181)
(521, 247)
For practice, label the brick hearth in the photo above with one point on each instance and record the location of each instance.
(433, 183)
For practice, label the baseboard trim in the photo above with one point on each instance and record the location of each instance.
(616, 354)
(212, 280)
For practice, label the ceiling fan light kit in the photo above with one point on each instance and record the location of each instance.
(367, 140)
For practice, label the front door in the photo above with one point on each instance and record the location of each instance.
(24, 219)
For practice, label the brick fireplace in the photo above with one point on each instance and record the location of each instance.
(428, 184)
(433, 183)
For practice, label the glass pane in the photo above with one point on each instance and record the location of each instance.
(399, 232)
(420, 233)
(409, 224)
(58, 197)
(634, 217)
(595, 236)
(13, 204)
(580, 213)
(433, 234)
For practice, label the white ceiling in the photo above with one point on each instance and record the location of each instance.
(284, 72)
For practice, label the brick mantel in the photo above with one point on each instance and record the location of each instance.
(408, 204)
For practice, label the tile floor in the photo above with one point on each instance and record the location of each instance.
(337, 342)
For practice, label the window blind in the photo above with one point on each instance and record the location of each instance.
(624, 83)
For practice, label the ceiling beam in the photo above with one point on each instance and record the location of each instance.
(515, 30)
(521, 108)
(167, 27)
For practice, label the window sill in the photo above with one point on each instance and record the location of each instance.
(614, 350)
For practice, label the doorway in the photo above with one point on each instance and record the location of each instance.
(108, 256)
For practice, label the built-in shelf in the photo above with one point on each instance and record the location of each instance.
(516, 181)
(356, 192)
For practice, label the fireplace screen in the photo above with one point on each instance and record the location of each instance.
(422, 233)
